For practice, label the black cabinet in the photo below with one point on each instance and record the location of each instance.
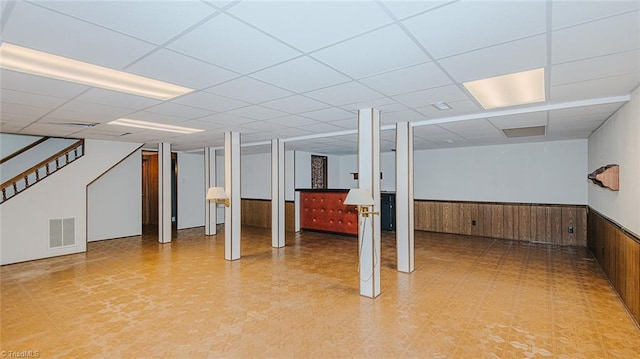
(388, 211)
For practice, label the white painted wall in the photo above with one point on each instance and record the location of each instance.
(349, 163)
(618, 142)
(191, 191)
(289, 175)
(544, 172)
(114, 207)
(25, 218)
(256, 176)
(32, 157)
(11, 143)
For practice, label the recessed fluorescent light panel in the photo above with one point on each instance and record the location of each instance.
(154, 126)
(509, 90)
(39, 63)
(442, 106)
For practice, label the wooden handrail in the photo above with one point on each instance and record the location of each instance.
(24, 149)
(42, 163)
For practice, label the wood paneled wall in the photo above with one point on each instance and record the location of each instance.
(546, 223)
(618, 253)
(289, 216)
(257, 213)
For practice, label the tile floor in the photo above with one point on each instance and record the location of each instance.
(469, 297)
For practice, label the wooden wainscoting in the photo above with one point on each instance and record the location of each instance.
(257, 213)
(618, 253)
(548, 223)
(289, 216)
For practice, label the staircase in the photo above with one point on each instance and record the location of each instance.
(42, 170)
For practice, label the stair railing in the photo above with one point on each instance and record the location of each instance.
(42, 170)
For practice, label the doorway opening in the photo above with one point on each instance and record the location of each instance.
(150, 207)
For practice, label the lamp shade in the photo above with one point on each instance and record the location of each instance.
(359, 197)
(216, 193)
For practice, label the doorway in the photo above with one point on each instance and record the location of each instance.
(150, 191)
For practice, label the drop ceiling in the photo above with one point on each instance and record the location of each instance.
(301, 69)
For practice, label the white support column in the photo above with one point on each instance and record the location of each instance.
(232, 188)
(277, 193)
(164, 192)
(369, 178)
(210, 207)
(404, 197)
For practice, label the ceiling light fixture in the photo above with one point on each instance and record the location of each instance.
(441, 105)
(21, 59)
(154, 126)
(509, 90)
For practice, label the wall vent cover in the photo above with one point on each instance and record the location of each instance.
(62, 232)
(525, 131)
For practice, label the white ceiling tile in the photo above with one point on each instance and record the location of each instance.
(39, 85)
(586, 111)
(301, 75)
(48, 129)
(521, 120)
(202, 124)
(450, 93)
(293, 121)
(292, 132)
(227, 120)
(249, 89)
(89, 108)
(119, 99)
(403, 8)
(597, 67)
(350, 123)
(44, 30)
(153, 21)
(604, 87)
(316, 23)
(515, 56)
(263, 126)
(329, 114)
(15, 119)
(347, 93)
(257, 112)
(379, 51)
(473, 129)
(169, 66)
(382, 103)
(26, 98)
(470, 25)
(179, 111)
(210, 101)
(29, 111)
(457, 108)
(401, 116)
(295, 104)
(597, 38)
(409, 79)
(567, 13)
(235, 48)
(582, 124)
(322, 127)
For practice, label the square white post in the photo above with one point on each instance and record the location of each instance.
(404, 197)
(277, 194)
(232, 188)
(164, 192)
(210, 207)
(369, 178)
